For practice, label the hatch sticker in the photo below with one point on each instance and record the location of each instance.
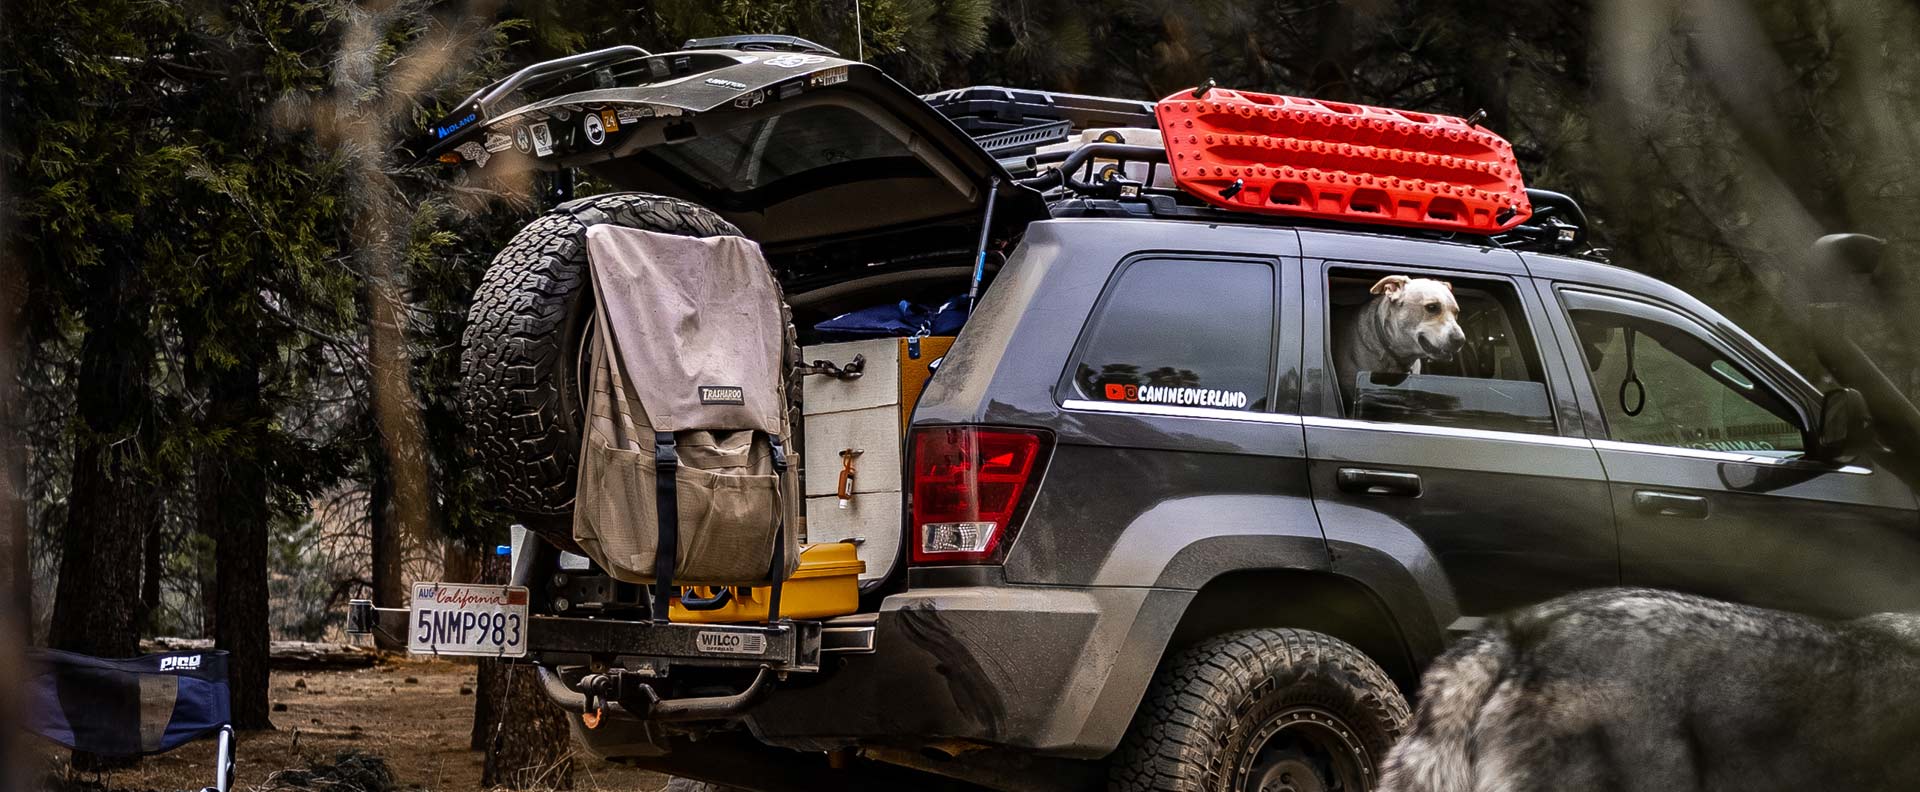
(474, 153)
(542, 139)
(731, 643)
(791, 61)
(833, 76)
(596, 131)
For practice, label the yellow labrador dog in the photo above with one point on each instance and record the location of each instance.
(1408, 321)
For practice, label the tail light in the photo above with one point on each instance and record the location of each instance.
(967, 485)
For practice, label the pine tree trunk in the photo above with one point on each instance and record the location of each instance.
(486, 685)
(16, 588)
(112, 501)
(150, 570)
(532, 748)
(234, 492)
(389, 576)
(525, 736)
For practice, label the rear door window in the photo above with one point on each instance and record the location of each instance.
(1182, 332)
(1489, 377)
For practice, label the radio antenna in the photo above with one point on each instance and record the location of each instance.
(859, 35)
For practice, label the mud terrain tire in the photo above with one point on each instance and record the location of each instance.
(520, 357)
(1262, 709)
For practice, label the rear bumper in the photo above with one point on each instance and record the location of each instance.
(1047, 669)
(652, 649)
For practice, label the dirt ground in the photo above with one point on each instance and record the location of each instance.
(412, 713)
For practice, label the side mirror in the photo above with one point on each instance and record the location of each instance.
(1842, 428)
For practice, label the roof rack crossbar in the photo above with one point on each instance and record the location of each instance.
(1038, 135)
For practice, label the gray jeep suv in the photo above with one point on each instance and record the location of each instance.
(1229, 590)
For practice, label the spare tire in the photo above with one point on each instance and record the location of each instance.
(521, 361)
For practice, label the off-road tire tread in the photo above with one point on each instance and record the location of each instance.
(1179, 736)
(515, 354)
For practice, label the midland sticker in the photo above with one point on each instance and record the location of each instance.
(1186, 397)
(722, 394)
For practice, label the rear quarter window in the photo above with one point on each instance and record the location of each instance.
(1181, 332)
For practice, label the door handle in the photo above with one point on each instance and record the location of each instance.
(1378, 482)
(1670, 504)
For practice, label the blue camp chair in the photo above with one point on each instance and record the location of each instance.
(133, 707)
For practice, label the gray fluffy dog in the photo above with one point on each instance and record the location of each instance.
(1633, 689)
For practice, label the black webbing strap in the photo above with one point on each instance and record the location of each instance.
(666, 466)
(780, 533)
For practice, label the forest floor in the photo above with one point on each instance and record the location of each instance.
(417, 715)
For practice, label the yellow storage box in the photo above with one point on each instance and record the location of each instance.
(826, 584)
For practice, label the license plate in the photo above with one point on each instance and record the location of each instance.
(468, 619)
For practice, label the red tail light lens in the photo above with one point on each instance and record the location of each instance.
(967, 483)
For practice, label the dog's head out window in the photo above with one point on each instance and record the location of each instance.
(1183, 333)
(1435, 349)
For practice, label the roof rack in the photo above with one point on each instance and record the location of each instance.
(1558, 224)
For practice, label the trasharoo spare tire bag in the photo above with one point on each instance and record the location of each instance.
(683, 476)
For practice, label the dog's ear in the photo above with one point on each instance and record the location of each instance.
(1392, 284)
(1448, 284)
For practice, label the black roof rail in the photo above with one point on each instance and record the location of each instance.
(758, 42)
(1558, 224)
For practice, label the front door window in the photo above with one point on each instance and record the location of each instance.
(1660, 384)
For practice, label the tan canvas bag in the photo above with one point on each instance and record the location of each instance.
(685, 375)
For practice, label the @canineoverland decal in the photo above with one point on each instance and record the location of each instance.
(1184, 397)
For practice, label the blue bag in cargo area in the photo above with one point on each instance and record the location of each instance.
(895, 320)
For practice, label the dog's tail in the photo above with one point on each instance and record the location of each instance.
(1437, 755)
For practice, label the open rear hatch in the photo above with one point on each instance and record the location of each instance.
(793, 147)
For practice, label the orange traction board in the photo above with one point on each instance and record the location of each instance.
(1347, 162)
